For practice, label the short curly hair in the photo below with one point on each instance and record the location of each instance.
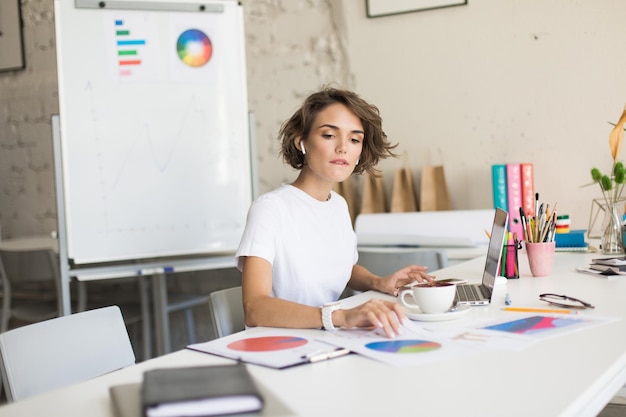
(376, 146)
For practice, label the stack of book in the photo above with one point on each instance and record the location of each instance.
(514, 187)
(606, 266)
(573, 241)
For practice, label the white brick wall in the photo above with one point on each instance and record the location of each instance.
(293, 47)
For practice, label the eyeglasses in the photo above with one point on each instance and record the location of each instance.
(564, 301)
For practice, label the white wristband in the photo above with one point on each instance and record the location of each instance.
(327, 315)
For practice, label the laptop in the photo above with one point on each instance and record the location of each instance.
(480, 294)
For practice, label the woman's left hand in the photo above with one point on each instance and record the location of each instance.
(391, 284)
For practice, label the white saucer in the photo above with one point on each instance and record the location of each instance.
(416, 314)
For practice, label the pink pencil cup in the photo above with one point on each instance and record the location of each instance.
(540, 258)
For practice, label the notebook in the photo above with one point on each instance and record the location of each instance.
(480, 294)
(199, 391)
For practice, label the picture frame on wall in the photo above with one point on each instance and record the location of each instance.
(11, 36)
(380, 8)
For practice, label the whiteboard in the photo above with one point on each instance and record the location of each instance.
(155, 142)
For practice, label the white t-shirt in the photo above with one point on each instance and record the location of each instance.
(310, 244)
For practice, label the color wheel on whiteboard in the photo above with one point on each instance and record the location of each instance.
(403, 346)
(267, 343)
(194, 48)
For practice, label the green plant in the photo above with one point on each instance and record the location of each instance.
(612, 185)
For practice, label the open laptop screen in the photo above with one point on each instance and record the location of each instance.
(494, 252)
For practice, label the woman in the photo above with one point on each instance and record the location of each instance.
(298, 251)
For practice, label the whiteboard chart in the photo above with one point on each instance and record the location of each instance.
(154, 131)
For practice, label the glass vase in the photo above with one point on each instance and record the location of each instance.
(612, 242)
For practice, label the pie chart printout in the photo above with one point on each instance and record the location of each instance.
(534, 325)
(267, 343)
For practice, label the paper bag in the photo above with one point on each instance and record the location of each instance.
(374, 199)
(346, 190)
(433, 190)
(403, 195)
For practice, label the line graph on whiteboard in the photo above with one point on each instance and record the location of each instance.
(160, 155)
(158, 176)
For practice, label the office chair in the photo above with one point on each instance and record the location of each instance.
(227, 311)
(51, 354)
(131, 296)
(386, 260)
(30, 286)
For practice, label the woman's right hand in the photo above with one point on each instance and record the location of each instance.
(375, 313)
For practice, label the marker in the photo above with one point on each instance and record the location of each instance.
(152, 271)
(539, 310)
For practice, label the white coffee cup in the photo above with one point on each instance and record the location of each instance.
(430, 298)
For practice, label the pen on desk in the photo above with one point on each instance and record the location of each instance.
(539, 310)
(317, 357)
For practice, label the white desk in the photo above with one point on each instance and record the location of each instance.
(575, 374)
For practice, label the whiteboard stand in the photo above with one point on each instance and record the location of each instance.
(158, 270)
(94, 104)
(61, 235)
(253, 162)
(161, 316)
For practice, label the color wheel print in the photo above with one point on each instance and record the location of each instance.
(403, 346)
(267, 343)
(194, 48)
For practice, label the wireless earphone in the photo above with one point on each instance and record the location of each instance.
(303, 150)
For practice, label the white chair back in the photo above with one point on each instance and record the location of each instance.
(65, 350)
(386, 260)
(227, 311)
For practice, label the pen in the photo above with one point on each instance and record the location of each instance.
(317, 357)
(539, 310)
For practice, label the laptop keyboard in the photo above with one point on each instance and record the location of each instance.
(469, 293)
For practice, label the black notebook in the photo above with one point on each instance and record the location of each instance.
(199, 391)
